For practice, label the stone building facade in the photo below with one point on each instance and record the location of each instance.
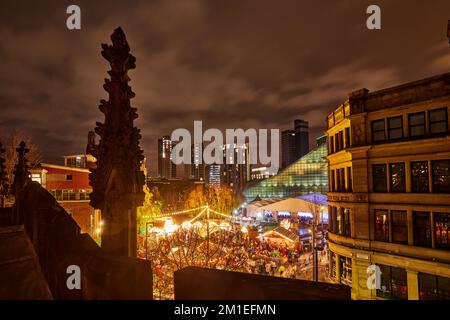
(389, 199)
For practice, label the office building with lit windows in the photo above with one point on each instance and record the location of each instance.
(294, 142)
(389, 199)
(166, 168)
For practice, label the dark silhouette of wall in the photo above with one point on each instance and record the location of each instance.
(58, 243)
(211, 284)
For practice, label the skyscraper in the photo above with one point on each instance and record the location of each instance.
(197, 168)
(294, 143)
(235, 172)
(213, 174)
(166, 168)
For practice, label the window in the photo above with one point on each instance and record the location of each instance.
(399, 226)
(422, 229)
(393, 283)
(419, 177)
(417, 124)
(345, 265)
(57, 194)
(340, 220)
(349, 179)
(335, 220)
(441, 176)
(379, 178)
(395, 128)
(67, 195)
(68, 177)
(381, 225)
(336, 141)
(331, 144)
(339, 179)
(332, 265)
(341, 140)
(330, 219)
(70, 162)
(84, 195)
(433, 287)
(332, 182)
(347, 137)
(378, 132)
(438, 121)
(397, 177)
(36, 177)
(441, 230)
(347, 231)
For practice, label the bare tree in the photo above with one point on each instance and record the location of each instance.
(218, 249)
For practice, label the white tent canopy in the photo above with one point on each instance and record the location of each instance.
(257, 208)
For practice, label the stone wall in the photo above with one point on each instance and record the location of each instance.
(58, 244)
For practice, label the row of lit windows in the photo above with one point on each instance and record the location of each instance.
(339, 221)
(338, 142)
(70, 194)
(392, 128)
(341, 180)
(421, 180)
(394, 285)
(393, 282)
(392, 226)
(345, 268)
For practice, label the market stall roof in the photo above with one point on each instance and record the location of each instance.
(306, 203)
(283, 232)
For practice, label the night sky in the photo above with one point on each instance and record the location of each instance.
(233, 64)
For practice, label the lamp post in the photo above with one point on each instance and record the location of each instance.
(316, 247)
(207, 235)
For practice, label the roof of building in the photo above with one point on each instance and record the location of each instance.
(56, 166)
(285, 233)
(316, 198)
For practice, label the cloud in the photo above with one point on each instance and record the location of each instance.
(245, 64)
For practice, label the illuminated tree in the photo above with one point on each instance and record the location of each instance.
(219, 198)
(196, 198)
(151, 207)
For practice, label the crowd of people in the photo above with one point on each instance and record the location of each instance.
(268, 258)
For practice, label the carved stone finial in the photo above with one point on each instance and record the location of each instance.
(117, 181)
(21, 173)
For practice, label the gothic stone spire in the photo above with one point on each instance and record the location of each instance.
(117, 181)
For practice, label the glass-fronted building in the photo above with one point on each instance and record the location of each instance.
(309, 174)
